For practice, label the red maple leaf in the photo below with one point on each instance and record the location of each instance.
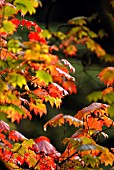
(43, 145)
(16, 22)
(16, 136)
(4, 126)
(34, 36)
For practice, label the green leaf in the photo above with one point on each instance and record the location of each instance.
(16, 79)
(14, 45)
(111, 110)
(8, 27)
(78, 21)
(109, 98)
(26, 6)
(46, 34)
(28, 143)
(44, 77)
(92, 34)
(16, 147)
(89, 160)
(8, 10)
(95, 96)
(3, 65)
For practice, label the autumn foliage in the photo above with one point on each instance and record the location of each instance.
(32, 75)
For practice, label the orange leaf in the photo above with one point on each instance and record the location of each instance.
(107, 90)
(38, 108)
(70, 86)
(56, 91)
(93, 123)
(72, 121)
(94, 107)
(107, 76)
(57, 120)
(69, 65)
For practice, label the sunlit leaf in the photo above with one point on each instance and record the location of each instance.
(69, 86)
(8, 10)
(91, 108)
(43, 146)
(16, 136)
(57, 120)
(26, 6)
(8, 27)
(44, 77)
(16, 79)
(95, 96)
(4, 126)
(107, 76)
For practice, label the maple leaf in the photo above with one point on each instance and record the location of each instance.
(16, 136)
(60, 119)
(44, 77)
(43, 145)
(57, 120)
(39, 107)
(8, 27)
(69, 65)
(15, 21)
(53, 100)
(2, 136)
(78, 21)
(7, 155)
(107, 90)
(70, 50)
(67, 76)
(72, 121)
(34, 36)
(4, 127)
(107, 76)
(94, 107)
(70, 86)
(107, 157)
(93, 123)
(16, 79)
(26, 6)
(56, 91)
(42, 93)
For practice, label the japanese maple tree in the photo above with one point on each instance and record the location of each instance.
(30, 76)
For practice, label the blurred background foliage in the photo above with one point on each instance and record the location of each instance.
(51, 16)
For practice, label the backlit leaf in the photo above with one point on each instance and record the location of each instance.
(8, 27)
(4, 127)
(38, 108)
(57, 120)
(44, 77)
(43, 146)
(72, 121)
(95, 96)
(69, 65)
(16, 79)
(69, 86)
(111, 110)
(8, 10)
(107, 76)
(91, 108)
(26, 6)
(16, 136)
